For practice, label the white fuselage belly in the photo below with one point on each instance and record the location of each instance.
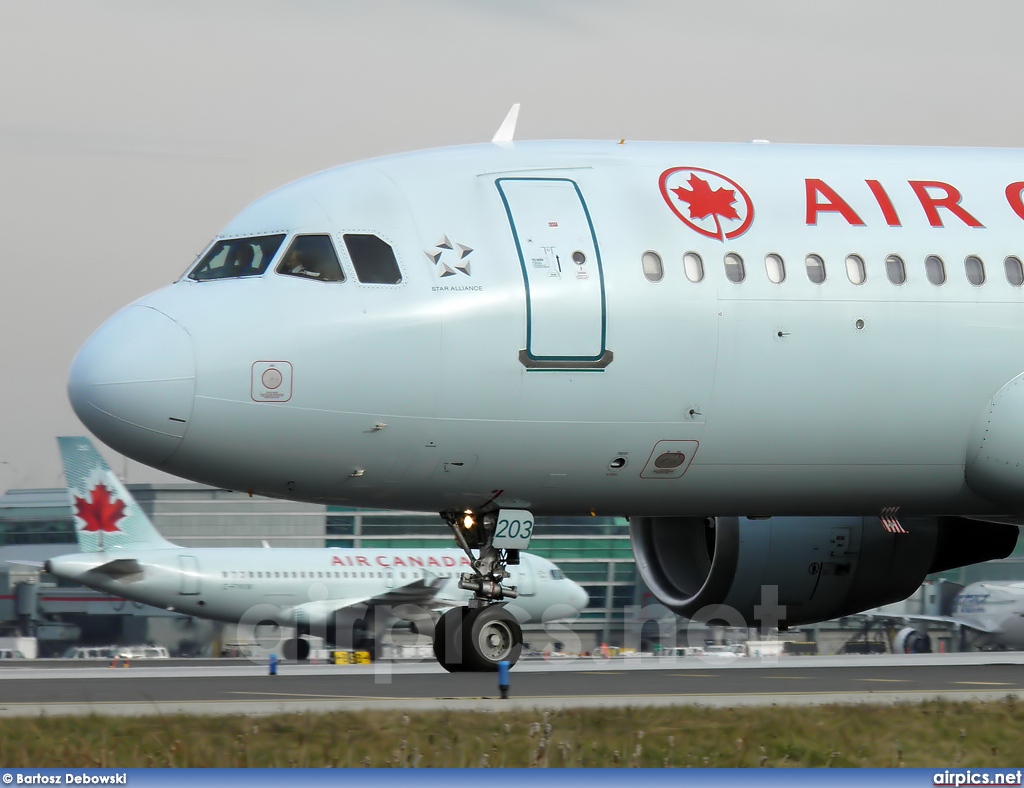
(786, 402)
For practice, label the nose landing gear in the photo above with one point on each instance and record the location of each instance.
(479, 636)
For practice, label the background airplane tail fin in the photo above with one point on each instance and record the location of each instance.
(106, 515)
(947, 596)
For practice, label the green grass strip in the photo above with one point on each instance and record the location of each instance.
(932, 734)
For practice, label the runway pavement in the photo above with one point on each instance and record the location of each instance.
(213, 687)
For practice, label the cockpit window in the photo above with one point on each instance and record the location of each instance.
(373, 259)
(312, 257)
(236, 257)
(557, 574)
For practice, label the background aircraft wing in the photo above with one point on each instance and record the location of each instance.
(421, 593)
(976, 623)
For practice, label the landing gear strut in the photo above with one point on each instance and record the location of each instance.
(479, 636)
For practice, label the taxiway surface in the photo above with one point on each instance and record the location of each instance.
(212, 687)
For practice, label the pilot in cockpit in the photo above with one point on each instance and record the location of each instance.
(241, 260)
(295, 265)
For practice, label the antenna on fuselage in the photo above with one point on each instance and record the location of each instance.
(507, 129)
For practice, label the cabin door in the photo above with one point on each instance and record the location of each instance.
(526, 582)
(189, 567)
(561, 265)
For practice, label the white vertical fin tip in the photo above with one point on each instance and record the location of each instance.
(507, 130)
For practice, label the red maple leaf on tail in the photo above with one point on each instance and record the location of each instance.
(101, 513)
(705, 201)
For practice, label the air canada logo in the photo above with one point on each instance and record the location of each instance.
(101, 513)
(710, 203)
(450, 258)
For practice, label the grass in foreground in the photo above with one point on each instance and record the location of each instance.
(933, 734)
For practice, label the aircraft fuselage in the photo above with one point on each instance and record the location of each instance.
(535, 354)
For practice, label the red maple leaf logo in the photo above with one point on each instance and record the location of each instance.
(727, 205)
(705, 201)
(101, 513)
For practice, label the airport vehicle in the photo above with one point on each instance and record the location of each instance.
(986, 615)
(19, 648)
(793, 367)
(127, 653)
(342, 595)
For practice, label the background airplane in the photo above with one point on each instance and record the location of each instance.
(985, 615)
(347, 596)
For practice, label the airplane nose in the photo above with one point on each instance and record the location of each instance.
(132, 384)
(580, 597)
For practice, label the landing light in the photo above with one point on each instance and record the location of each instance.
(467, 521)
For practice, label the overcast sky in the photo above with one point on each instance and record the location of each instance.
(131, 132)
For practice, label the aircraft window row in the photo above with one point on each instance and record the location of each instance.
(238, 574)
(814, 264)
(374, 259)
(312, 257)
(237, 257)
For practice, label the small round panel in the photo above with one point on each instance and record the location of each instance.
(670, 459)
(272, 378)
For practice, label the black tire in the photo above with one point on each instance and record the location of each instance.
(491, 635)
(448, 639)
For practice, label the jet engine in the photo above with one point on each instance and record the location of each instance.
(910, 641)
(744, 571)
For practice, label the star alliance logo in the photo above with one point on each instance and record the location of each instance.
(450, 258)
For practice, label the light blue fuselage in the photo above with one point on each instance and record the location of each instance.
(527, 378)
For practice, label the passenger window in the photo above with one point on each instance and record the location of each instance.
(653, 268)
(815, 268)
(237, 257)
(693, 266)
(1014, 271)
(775, 267)
(975, 270)
(312, 257)
(734, 268)
(895, 270)
(373, 259)
(935, 269)
(855, 269)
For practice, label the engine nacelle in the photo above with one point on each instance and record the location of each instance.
(713, 569)
(910, 641)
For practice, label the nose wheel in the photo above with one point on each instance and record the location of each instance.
(477, 638)
(480, 636)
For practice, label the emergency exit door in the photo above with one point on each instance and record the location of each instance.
(562, 274)
(189, 572)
